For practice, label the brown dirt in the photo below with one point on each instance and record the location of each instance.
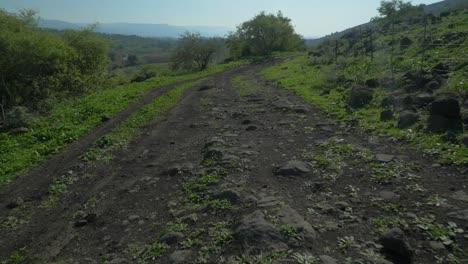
(134, 197)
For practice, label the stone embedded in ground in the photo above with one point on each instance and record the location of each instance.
(254, 232)
(384, 157)
(181, 257)
(293, 168)
(246, 122)
(15, 203)
(171, 237)
(327, 260)
(342, 205)
(283, 105)
(447, 107)
(80, 223)
(387, 195)
(133, 218)
(461, 196)
(360, 96)
(436, 245)
(289, 216)
(205, 87)
(251, 128)
(407, 118)
(386, 115)
(396, 247)
(438, 123)
(460, 215)
(423, 99)
(232, 196)
(179, 168)
(229, 159)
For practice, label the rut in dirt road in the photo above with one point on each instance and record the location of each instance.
(242, 172)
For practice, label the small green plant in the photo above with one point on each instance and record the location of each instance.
(384, 223)
(438, 232)
(305, 258)
(436, 200)
(290, 232)
(219, 205)
(243, 86)
(221, 233)
(178, 226)
(146, 253)
(209, 179)
(346, 243)
(17, 257)
(190, 243)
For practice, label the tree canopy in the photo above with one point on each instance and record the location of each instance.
(264, 34)
(37, 65)
(193, 53)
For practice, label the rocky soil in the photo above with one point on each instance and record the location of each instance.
(244, 174)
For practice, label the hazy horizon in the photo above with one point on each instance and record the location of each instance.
(310, 18)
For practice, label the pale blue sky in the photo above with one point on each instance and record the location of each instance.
(310, 17)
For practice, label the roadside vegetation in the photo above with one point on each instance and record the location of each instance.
(391, 77)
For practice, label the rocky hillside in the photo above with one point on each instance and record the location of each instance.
(406, 80)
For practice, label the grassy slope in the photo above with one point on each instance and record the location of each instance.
(309, 80)
(73, 119)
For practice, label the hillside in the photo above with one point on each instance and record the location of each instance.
(142, 30)
(432, 9)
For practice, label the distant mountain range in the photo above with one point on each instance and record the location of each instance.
(143, 30)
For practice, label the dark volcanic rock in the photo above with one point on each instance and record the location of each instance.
(255, 231)
(407, 119)
(386, 115)
(423, 99)
(447, 107)
(444, 115)
(395, 247)
(360, 96)
(293, 168)
(438, 123)
(232, 196)
(171, 237)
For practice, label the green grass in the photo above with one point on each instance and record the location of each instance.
(243, 86)
(73, 119)
(309, 82)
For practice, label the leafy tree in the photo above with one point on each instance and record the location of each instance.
(264, 34)
(193, 53)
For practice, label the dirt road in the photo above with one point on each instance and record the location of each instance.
(242, 172)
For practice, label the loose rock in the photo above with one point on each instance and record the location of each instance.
(407, 119)
(293, 168)
(181, 256)
(395, 246)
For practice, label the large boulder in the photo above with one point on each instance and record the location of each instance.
(395, 247)
(407, 118)
(360, 96)
(255, 233)
(438, 123)
(444, 115)
(423, 99)
(447, 107)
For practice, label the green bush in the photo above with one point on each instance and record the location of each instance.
(37, 65)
